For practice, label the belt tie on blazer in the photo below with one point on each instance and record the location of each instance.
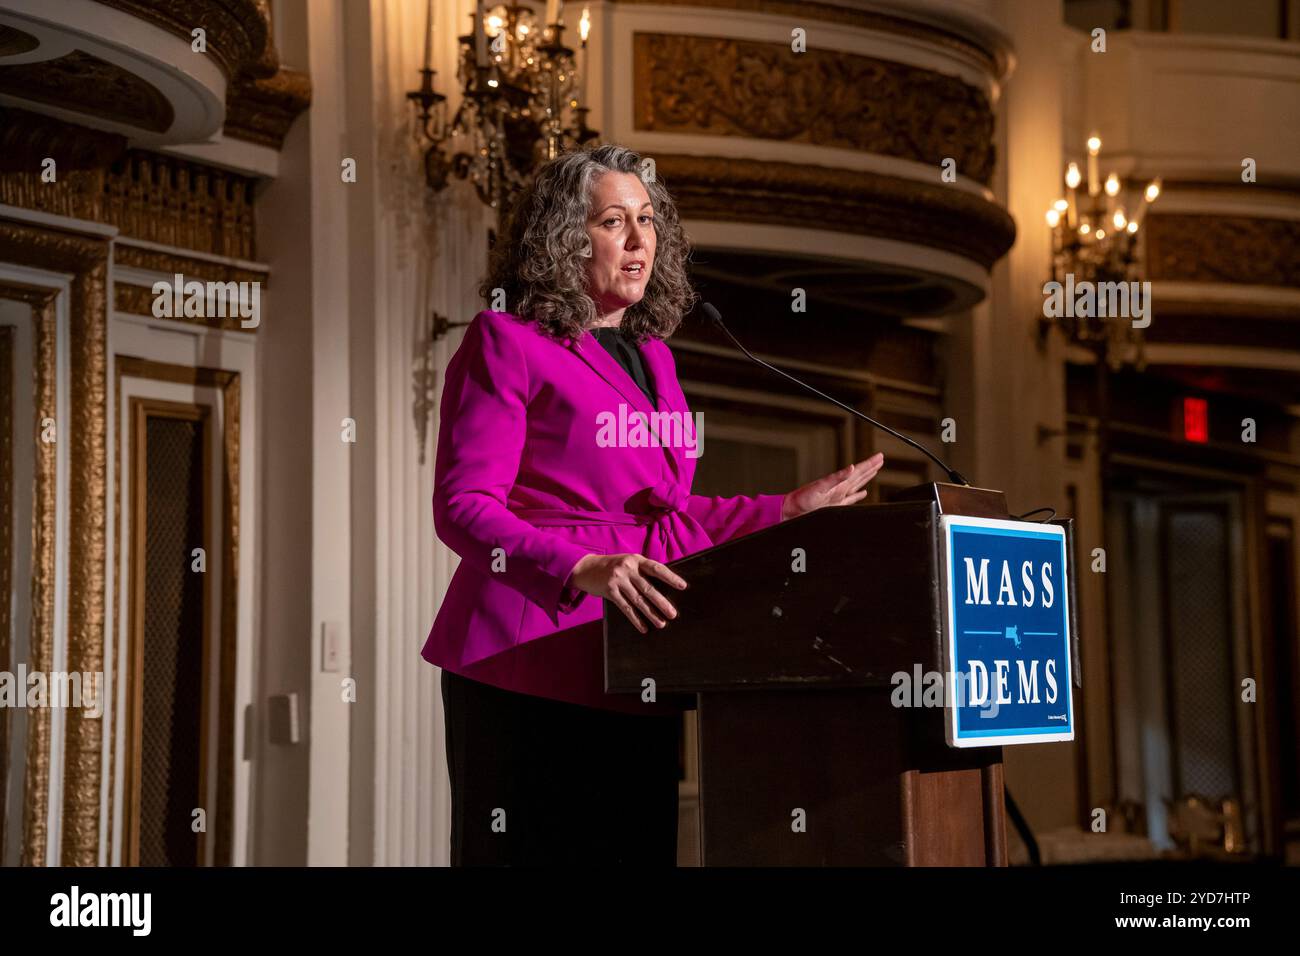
(663, 499)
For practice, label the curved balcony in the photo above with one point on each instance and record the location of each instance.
(822, 161)
(128, 68)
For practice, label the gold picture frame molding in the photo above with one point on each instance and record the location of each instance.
(85, 258)
(227, 383)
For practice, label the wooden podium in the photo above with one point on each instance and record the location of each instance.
(792, 675)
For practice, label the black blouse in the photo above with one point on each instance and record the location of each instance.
(625, 352)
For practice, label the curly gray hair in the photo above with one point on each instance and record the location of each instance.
(539, 260)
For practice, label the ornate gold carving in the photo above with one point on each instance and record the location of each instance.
(1235, 249)
(722, 86)
(14, 41)
(993, 61)
(148, 196)
(84, 443)
(821, 197)
(261, 111)
(175, 202)
(228, 383)
(88, 509)
(169, 263)
(138, 300)
(82, 83)
(238, 31)
(36, 789)
(40, 651)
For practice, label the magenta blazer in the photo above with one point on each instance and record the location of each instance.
(524, 489)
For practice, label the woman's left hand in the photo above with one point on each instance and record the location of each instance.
(845, 487)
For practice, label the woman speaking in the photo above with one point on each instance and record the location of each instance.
(550, 519)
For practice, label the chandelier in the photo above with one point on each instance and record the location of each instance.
(1095, 238)
(523, 100)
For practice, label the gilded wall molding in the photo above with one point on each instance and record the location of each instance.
(228, 384)
(994, 61)
(41, 649)
(175, 202)
(1187, 247)
(1235, 325)
(261, 111)
(148, 196)
(722, 86)
(139, 299)
(86, 258)
(158, 260)
(841, 200)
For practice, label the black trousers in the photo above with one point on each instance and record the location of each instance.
(538, 782)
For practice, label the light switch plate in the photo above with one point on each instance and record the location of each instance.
(331, 646)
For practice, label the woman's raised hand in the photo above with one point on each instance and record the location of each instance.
(624, 580)
(845, 487)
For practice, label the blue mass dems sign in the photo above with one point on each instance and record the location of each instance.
(1007, 634)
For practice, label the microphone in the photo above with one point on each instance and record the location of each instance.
(952, 473)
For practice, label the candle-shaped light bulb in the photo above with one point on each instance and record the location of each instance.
(1072, 179)
(1053, 218)
(1112, 185)
(584, 30)
(1060, 205)
(428, 36)
(1085, 229)
(1094, 147)
(1132, 227)
(1149, 196)
(1119, 219)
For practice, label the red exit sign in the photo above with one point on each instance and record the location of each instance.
(1196, 419)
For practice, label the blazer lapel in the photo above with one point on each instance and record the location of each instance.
(668, 391)
(604, 365)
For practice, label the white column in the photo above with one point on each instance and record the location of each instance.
(331, 546)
